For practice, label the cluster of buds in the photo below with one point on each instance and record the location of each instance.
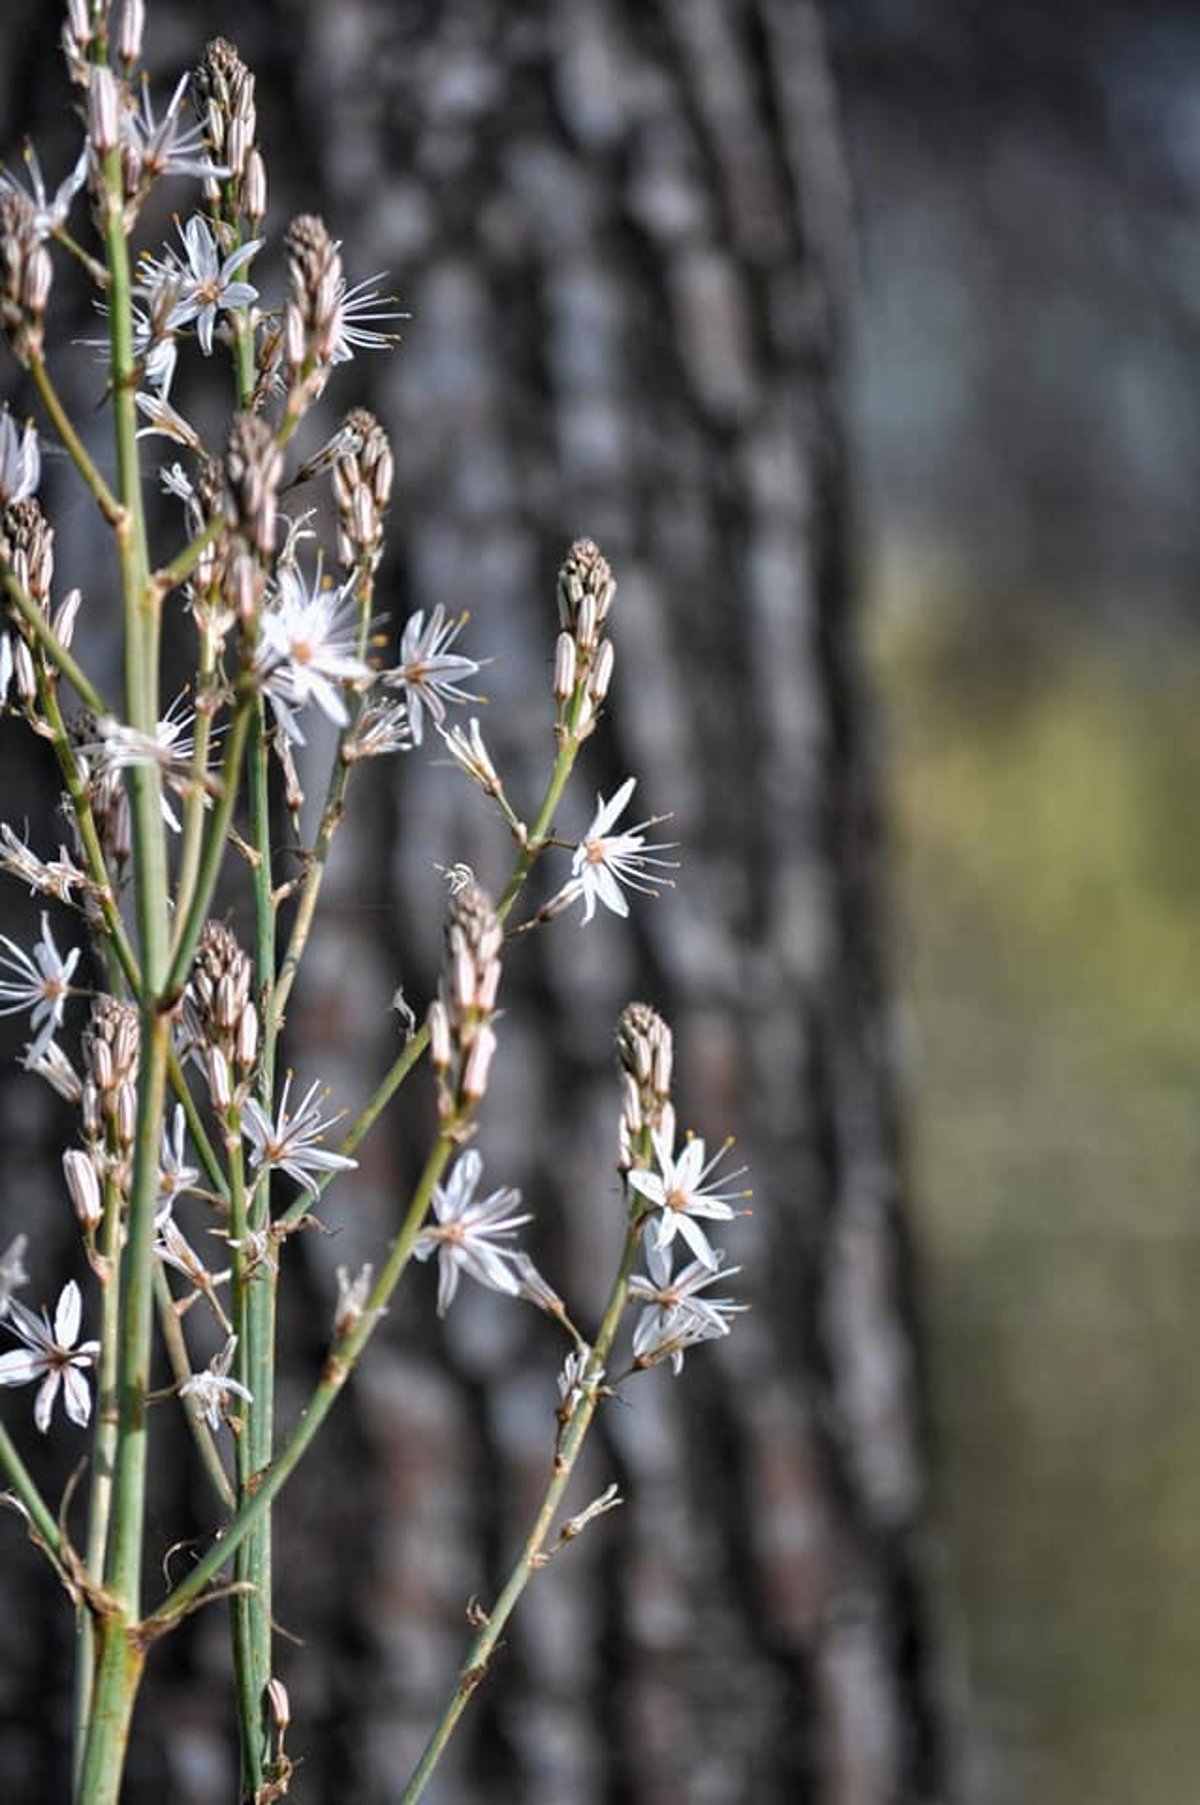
(109, 1100)
(645, 1055)
(27, 548)
(219, 1015)
(583, 657)
(362, 487)
(224, 88)
(461, 1038)
(25, 275)
(313, 319)
(253, 469)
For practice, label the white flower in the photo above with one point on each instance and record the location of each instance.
(41, 984)
(468, 750)
(163, 147)
(20, 460)
(48, 214)
(307, 648)
(678, 1189)
(50, 1354)
(175, 1176)
(604, 860)
(677, 1317)
(292, 1142)
(12, 1270)
(119, 747)
(56, 877)
(429, 673)
(204, 283)
(214, 1387)
(357, 312)
(469, 1233)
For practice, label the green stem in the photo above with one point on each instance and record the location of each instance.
(171, 1330)
(104, 1448)
(120, 1659)
(106, 501)
(340, 1364)
(187, 930)
(533, 1554)
(42, 1527)
(31, 616)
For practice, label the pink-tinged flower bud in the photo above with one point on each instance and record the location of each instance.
(126, 1113)
(440, 1047)
(23, 672)
(602, 671)
(66, 616)
(463, 980)
(254, 189)
(478, 1064)
(83, 1183)
(216, 1071)
(585, 623)
(564, 667)
(488, 987)
(246, 1045)
(133, 26)
(103, 110)
(277, 1697)
(89, 1110)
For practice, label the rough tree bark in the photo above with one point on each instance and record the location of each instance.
(621, 227)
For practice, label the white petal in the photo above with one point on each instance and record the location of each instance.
(21, 1367)
(67, 1315)
(44, 1403)
(77, 1396)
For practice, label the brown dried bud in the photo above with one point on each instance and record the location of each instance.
(644, 1050)
(363, 470)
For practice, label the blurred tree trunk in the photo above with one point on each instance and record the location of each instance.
(621, 228)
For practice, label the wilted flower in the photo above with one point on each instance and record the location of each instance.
(214, 1388)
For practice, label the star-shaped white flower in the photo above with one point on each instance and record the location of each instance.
(40, 984)
(20, 460)
(678, 1189)
(51, 1355)
(429, 673)
(470, 1233)
(203, 282)
(292, 1142)
(605, 860)
(677, 1317)
(307, 649)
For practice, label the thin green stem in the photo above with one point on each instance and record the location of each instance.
(104, 1449)
(534, 1553)
(38, 1515)
(32, 617)
(59, 418)
(171, 1330)
(341, 1362)
(188, 928)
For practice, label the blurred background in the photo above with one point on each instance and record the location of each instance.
(1027, 424)
(1001, 204)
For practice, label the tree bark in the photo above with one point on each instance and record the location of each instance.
(622, 230)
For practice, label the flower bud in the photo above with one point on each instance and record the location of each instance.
(103, 110)
(83, 1183)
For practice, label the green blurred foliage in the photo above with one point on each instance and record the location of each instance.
(1043, 801)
